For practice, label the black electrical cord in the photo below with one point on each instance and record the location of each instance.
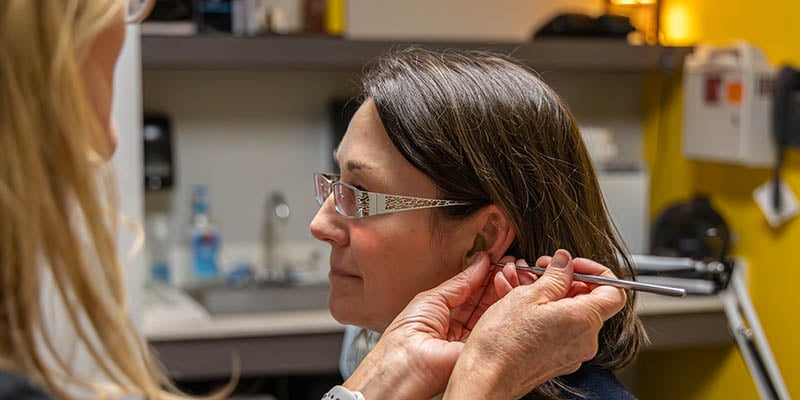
(776, 188)
(784, 119)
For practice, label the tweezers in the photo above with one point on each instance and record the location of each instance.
(623, 284)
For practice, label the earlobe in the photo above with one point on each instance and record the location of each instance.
(493, 234)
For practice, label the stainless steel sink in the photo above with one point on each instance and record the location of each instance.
(220, 299)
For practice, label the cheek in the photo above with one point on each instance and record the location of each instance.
(396, 265)
(98, 77)
(99, 89)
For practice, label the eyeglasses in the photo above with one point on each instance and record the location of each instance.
(351, 202)
(137, 10)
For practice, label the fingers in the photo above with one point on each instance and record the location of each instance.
(556, 282)
(501, 285)
(506, 259)
(578, 288)
(606, 300)
(510, 273)
(590, 267)
(513, 276)
(456, 290)
(543, 261)
(575, 288)
(581, 266)
(525, 277)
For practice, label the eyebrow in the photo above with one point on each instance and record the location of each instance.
(351, 165)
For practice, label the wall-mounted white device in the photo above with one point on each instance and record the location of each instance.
(727, 99)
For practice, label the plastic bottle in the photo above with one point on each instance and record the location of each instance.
(203, 238)
(157, 237)
(334, 17)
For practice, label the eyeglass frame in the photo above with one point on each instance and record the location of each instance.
(373, 203)
(141, 14)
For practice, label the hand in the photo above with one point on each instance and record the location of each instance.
(535, 332)
(417, 352)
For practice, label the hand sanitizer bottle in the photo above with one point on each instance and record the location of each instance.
(157, 237)
(203, 237)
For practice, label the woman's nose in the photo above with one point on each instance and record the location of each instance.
(328, 225)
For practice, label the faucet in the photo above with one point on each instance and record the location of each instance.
(276, 213)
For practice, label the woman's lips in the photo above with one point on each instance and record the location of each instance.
(342, 273)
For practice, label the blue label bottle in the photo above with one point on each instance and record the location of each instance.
(204, 238)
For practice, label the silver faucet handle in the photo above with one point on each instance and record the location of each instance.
(279, 206)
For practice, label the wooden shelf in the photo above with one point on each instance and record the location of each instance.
(225, 52)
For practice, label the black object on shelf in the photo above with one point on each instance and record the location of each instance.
(214, 16)
(159, 170)
(581, 25)
(689, 241)
(692, 229)
(172, 10)
(171, 18)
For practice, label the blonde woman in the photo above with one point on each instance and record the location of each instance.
(55, 232)
(57, 240)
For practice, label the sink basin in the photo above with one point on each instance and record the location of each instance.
(225, 299)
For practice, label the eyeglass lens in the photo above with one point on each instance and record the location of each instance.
(344, 197)
(322, 188)
(345, 200)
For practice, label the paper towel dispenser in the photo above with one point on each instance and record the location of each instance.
(158, 166)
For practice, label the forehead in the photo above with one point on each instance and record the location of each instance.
(368, 155)
(366, 145)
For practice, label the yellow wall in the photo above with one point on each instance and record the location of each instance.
(773, 256)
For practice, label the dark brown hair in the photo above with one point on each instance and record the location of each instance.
(486, 129)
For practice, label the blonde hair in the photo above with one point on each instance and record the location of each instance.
(54, 189)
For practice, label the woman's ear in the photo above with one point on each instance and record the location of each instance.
(492, 231)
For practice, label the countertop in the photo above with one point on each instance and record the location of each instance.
(193, 345)
(171, 315)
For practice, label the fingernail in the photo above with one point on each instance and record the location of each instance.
(560, 259)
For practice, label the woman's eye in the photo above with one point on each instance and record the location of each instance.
(355, 185)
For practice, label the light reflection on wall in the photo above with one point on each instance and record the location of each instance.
(677, 26)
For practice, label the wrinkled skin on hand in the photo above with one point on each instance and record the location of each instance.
(477, 324)
(535, 332)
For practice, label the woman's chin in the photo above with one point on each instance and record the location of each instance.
(112, 140)
(106, 145)
(349, 310)
(340, 311)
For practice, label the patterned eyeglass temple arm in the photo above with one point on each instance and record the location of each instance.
(369, 203)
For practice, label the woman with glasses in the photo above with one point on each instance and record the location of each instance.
(453, 157)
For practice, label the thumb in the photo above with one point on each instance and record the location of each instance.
(556, 281)
(456, 290)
